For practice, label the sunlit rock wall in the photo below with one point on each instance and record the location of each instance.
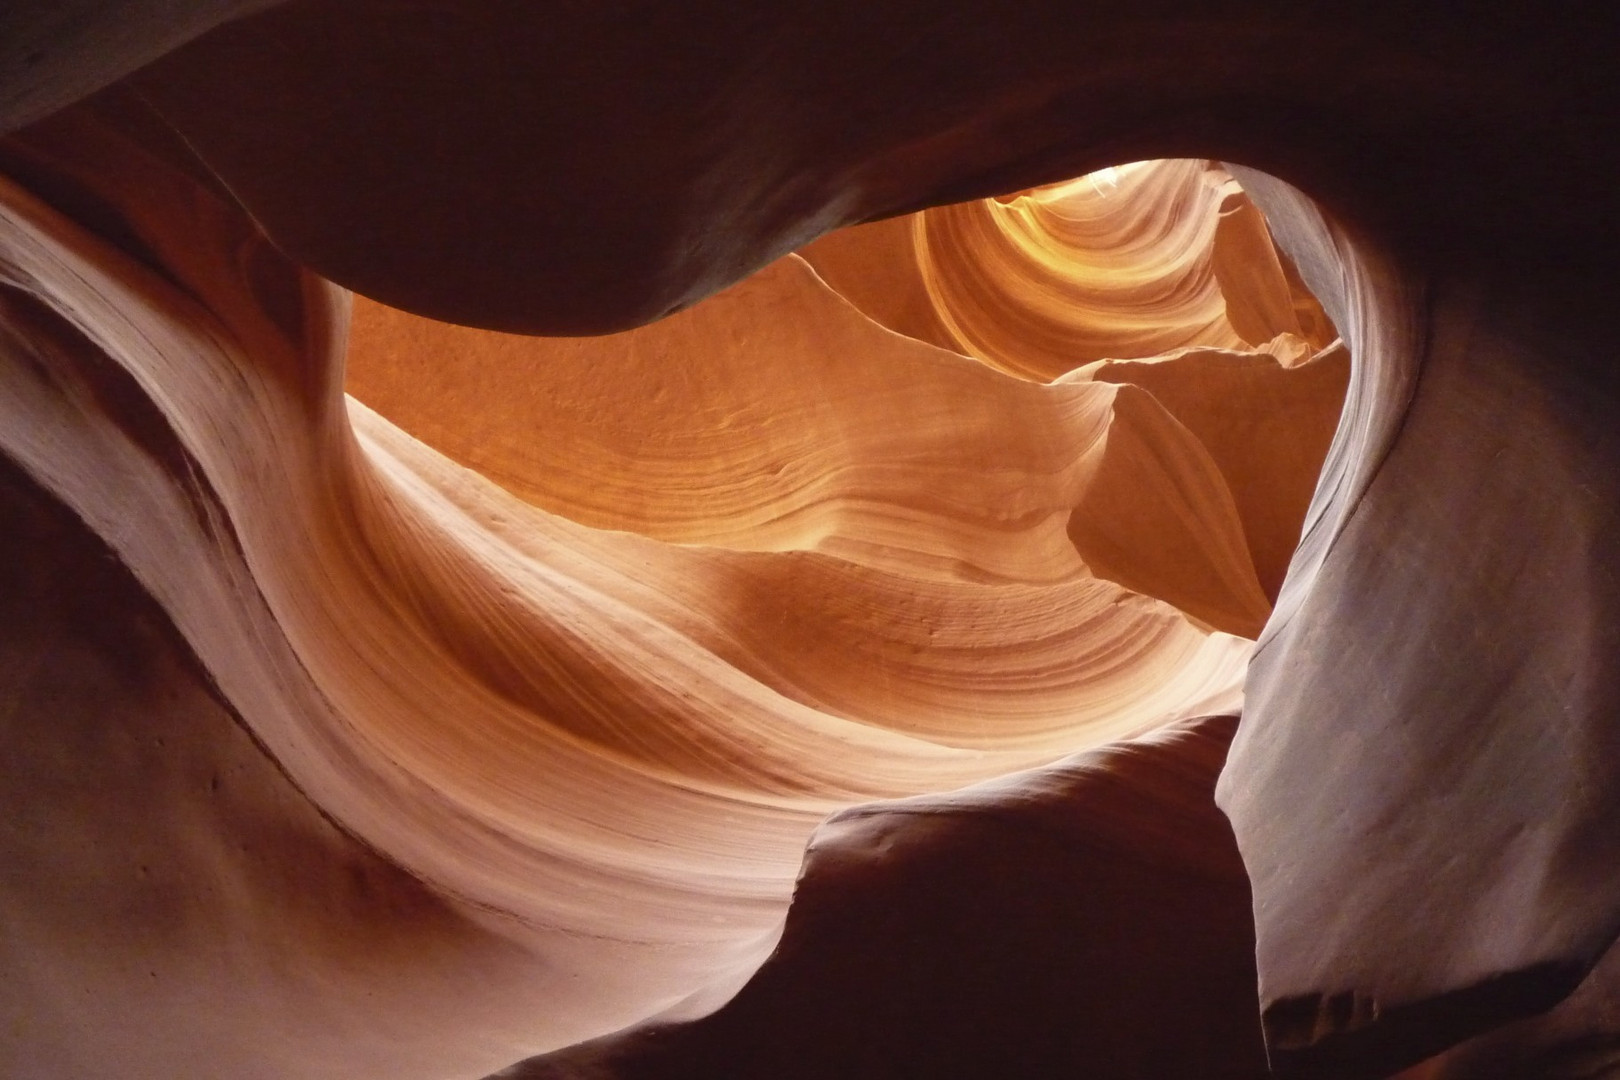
(694, 588)
(347, 742)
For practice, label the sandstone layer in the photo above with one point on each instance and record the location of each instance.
(590, 713)
(519, 710)
(1090, 918)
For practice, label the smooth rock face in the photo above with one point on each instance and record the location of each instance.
(596, 713)
(1483, 755)
(1580, 1037)
(1087, 918)
(55, 52)
(520, 710)
(173, 905)
(578, 168)
(1133, 261)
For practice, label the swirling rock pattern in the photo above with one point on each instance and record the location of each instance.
(1131, 261)
(596, 712)
(1083, 903)
(1422, 788)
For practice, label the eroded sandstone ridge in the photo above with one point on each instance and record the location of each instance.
(494, 713)
(751, 565)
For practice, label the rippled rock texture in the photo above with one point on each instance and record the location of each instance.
(1090, 917)
(490, 711)
(754, 564)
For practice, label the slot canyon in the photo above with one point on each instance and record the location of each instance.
(635, 541)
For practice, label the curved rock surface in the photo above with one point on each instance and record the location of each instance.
(1423, 788)
(173, 904)
(1579, 1037)
(607, 166)
(1131, 261)
(1090, 917)
(594, 714)
(1473, 449)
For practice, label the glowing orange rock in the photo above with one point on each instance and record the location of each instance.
(604, 748)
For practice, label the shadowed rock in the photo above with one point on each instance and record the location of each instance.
(1089, 918)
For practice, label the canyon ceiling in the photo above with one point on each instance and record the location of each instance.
(827, 539)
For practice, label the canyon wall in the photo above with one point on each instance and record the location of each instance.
(493, 712)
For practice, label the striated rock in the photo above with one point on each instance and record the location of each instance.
(992, 472)
(1087, 918)
(1266, 427)
(173, 905)
(1132, 261)
(598, 747)
(1423, 789)
(1129, 262)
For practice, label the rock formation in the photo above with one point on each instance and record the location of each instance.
(1043, 924)
(490, 712)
